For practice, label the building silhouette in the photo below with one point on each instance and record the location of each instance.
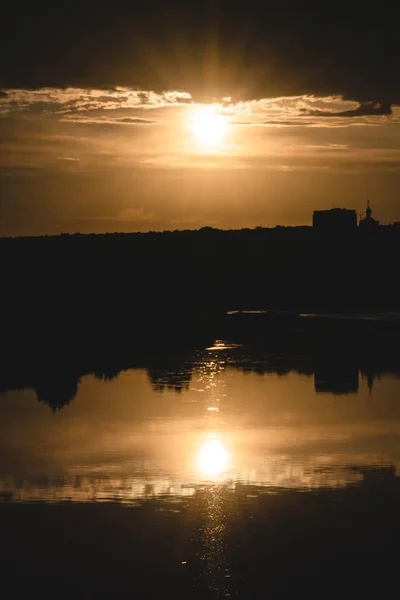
(341, 220)
(335, 220)
(368, 223)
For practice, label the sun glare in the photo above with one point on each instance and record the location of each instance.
(209, 127)
(212, 458)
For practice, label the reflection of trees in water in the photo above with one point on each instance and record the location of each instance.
(107, 374)
(336, 378)
(168, 378)
(336, 353)
(57, 391)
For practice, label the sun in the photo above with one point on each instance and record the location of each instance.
(212, 458)
(208, 127)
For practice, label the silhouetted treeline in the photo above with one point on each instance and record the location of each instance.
(107, 286)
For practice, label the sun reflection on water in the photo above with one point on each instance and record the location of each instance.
(212, 458)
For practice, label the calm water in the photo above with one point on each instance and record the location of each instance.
(225, 477)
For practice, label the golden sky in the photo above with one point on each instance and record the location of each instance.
(122, 159)
(152, 116)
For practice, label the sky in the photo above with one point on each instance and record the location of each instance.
(151, 116)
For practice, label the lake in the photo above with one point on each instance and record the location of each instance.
(227, 471)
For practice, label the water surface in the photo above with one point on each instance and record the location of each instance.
(230, 465)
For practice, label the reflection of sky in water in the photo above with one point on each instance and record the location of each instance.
(124, 441)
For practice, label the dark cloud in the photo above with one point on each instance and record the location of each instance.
(210, 49)
(135, 121)
(365, 109)
(278, 123)
(108, 120)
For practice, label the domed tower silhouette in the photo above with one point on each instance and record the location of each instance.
(368, 223)
(368, 212)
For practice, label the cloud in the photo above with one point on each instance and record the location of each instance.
(277, 123)
(313, 147)
(124, 106)
(362, 110)
(308, 111)
(107, 120)
(396, 112)
(71, 100)
(135, 121)
(135, 214)
(264, 50)
(124, 215)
